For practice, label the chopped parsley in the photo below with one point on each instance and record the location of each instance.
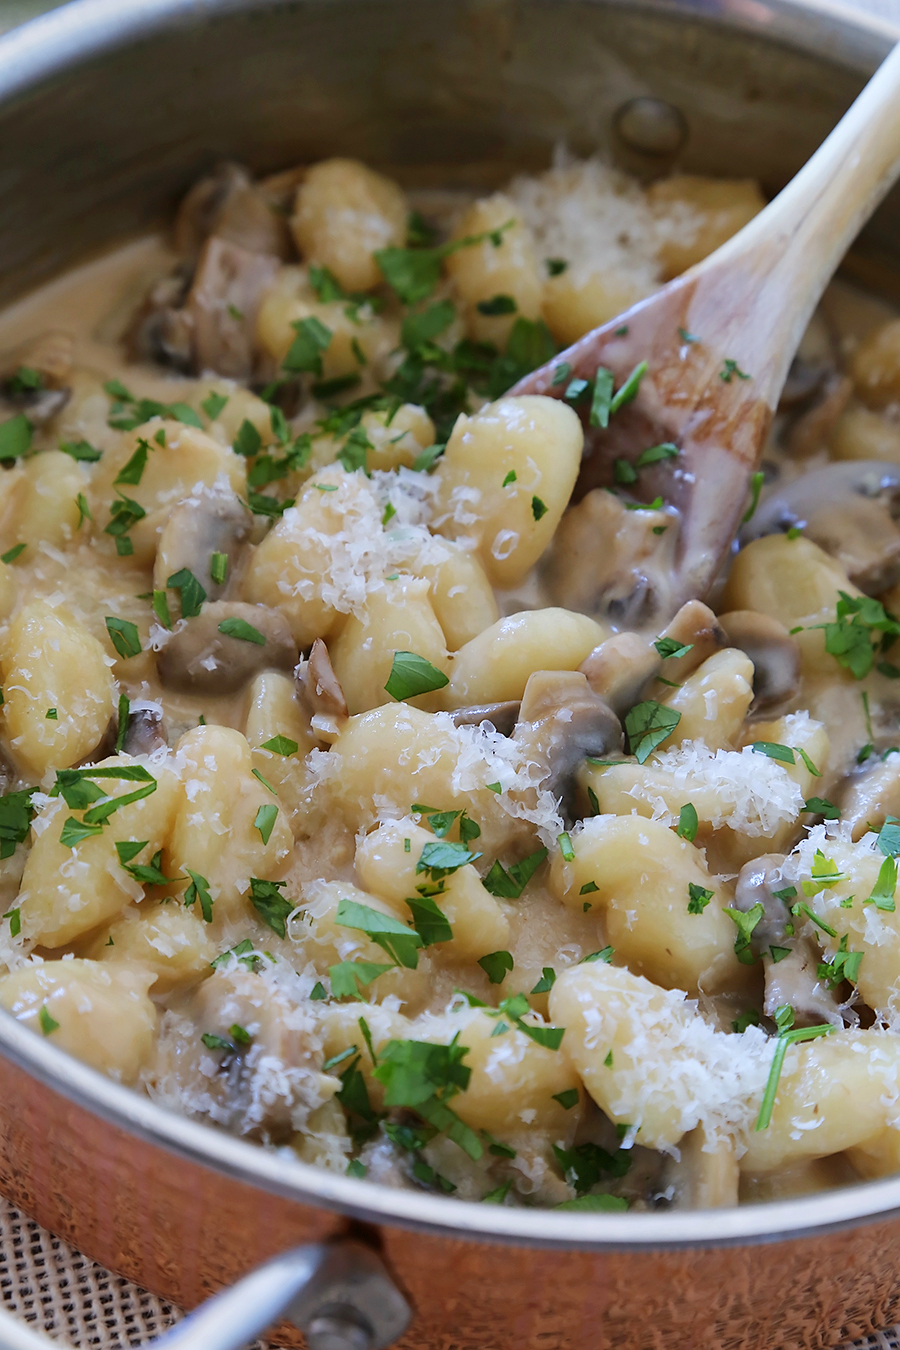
(584, 1165)
(496, 966)
(565, 847)
(280, 745)
(745, 922)
(844, 965)
(15, 437)
(124, 636)
(821, 806)
(349, 978)
(555, 266)
(882, 896)
(412, 675)
(648, 724)
(509, 884)
(699, 898)
(423, 1078)
(730, 368)
(265, 821)
(47, 1023)
(566, 1099)
(198, 893)
(218, 569)
(191, 592)
(498, 304)
(785, 1038)
(756, 482)
(12, 553)
(81, 450)
(242, 630)
(270, 904)
(546, 982)
(400, 943)
(131, 473)
(305, 353)
(213, 404)
(538, 508)
(688, 823)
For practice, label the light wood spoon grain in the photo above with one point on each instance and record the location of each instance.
(747, 303)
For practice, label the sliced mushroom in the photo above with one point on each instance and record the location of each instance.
(608, 560)
(560, 721)
(694, 626)
(619, 668)
(811, 432)
(805, 379)
(847, 509)
(223, 304)
(502, 716)
(200, 658)
(870, 795)
(790, 979)
(230, 205)
(162, 330)
(212, 521)
(774, 652)
(34, 377)
(320, 692)
(145, 731)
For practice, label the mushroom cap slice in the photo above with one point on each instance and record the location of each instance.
(561, 720)
(200, 658)
(772, 649)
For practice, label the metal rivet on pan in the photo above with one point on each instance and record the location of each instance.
(651, 126)
(339, 1330)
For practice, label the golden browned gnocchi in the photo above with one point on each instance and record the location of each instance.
(363, 791)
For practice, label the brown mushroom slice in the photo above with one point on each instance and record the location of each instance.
(847, 509)
(561, 720)
(619, 668)
(162, 330)
(145, 730)
(608, 560)
(223, 304)
(867, 797)
(789, 962)
(811, 432)
(775, 654)
(211, 521)
(34, 377)
(321, 694)
(201, 658)
(229, 204)
(502, 716)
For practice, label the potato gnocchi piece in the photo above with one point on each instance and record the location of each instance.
(100, 1014)
(487, 270)
(713, 701)
(48, 509)
(397, 617)
(387, 862)
(50, 663)
(178, 458)
(715, 208)
(664, 913)
(350, 331)
(162, 937)
(505, 479)
(68, 891)
(344, 212)
(214, 833)
(494, 666)
(461, 596)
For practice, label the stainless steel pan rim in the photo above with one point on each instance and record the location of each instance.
(85, 29)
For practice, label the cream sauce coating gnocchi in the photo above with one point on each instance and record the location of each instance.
(338, 810)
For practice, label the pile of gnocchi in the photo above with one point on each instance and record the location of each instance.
(336, 810)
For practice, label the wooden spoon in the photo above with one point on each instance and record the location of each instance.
(718, 342)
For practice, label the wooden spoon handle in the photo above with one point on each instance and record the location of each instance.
(791, 250)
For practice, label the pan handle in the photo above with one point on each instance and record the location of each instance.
(339, 1294)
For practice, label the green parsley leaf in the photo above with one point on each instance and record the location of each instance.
(498, 304)
(561, 373)
(12, 553)
(198, 891)
(214, 1042)
(803, 908)
(412, 675)
(15, 921)
(555, 266)
(656, 453)
(389, 933)
(747, 1019)
(47, 1023)
(213, 404)
(783, 753)
(191, 592)
(595, 1204)
(565, 847)
(305, 354)
(248, 441)
(15, 437)
(566, 1099)
(648, 724)
(756, 482)
(823, 807)
(888, 840)
(510, 478)
(132, 472)
(497, 1196)
(317, 993)
(546, 982)
(745, 922)
(270, 904)
(218, 569)
(242, 630)
(84, 511)
(882, 896)
(74, 832)
(730, 368)
(688, 823)
(823, 875)
(509, 884)
(584, 1165)
(265, 821)
(350, 977)
(16, 813)
(588, 888)
(124, 636)
(496, 966)
(440, 859)
(628, 391)
(81, 450)
(426, 461)
(429, 920)
(601, 398)
(280, 745)
(538, 508)
(699, 898)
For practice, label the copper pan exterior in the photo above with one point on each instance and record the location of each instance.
(108, 109)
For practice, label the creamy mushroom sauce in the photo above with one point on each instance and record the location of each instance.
(337, 812)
